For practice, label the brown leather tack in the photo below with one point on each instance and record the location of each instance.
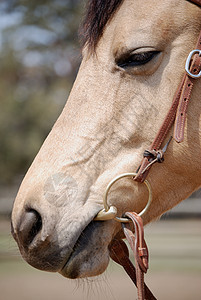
(176, 114)
(185, 95)
(120, 254)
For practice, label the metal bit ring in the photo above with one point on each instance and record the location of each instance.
(105, 213)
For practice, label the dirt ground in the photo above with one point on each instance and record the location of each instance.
(175, 270)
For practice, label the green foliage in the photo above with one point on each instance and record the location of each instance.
(39, 59)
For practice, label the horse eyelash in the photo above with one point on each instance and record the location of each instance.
(137, 59)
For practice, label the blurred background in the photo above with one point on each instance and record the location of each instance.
(40, 55)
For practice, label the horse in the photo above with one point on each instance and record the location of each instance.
(133, 59)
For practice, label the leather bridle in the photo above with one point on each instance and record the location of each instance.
(176, 116)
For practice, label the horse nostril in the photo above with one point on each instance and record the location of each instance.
(29, 227)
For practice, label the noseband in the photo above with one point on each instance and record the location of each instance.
(176, 116)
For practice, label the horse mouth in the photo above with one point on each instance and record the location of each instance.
(83, 250)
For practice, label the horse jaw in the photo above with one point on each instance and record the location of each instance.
(111, 117)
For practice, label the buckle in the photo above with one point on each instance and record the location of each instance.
(188, 61)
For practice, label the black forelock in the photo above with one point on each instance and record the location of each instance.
(98, 13)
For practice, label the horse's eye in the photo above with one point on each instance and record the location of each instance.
(136, 59)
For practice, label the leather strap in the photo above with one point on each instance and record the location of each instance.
(120, 254)
(185, 95)
(139, 249)
(177, 113)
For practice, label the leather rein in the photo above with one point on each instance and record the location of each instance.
(176, 116)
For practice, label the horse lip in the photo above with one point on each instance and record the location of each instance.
(63, 270)
(75, 248)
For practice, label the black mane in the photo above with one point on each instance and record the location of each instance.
(98, 14)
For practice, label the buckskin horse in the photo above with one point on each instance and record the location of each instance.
(134, 56)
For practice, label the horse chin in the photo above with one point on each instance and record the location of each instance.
(90, 255)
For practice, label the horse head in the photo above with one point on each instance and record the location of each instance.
(133, 61)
